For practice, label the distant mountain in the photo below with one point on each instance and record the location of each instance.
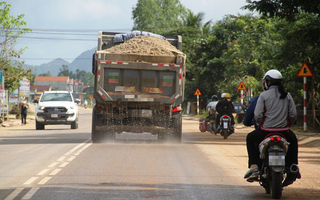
(83, 61)
(53, 66)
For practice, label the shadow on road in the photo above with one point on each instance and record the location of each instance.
(112, 190)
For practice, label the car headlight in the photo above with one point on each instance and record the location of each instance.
(41, 107)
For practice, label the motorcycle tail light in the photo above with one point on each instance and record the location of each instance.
(275, 138)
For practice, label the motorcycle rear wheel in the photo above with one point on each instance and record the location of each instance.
(225, 133)
(276, 185)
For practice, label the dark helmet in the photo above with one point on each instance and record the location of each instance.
(214, 97)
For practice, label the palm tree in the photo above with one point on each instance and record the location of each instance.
(191, 20)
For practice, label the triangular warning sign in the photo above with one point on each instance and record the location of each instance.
(305, 71)
(197, 92)
(241, 86)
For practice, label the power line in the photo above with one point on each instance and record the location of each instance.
(54, 58)
(59, 33)
(74, 30)
(56, 38)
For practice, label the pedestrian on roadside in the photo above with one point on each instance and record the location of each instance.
(23, 111)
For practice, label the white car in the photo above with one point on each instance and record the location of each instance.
(56, 107)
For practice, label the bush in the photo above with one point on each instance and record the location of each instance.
(15, 110)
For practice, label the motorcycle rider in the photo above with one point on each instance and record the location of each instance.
(225, 107)
(275, 111)
(211, 109)
(212, 104)
(249, 114)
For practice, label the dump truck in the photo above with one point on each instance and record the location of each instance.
(138, 90)
(37, 95)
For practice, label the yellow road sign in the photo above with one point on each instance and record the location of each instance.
(305, 71)
(197, 92)
(241, 86)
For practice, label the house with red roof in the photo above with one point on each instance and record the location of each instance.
(55, 82)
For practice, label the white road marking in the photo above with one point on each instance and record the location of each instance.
(82, 149)
(14, 194)
(44, 180)
(30, 194)
(61, 158)
(32, 191)
(43, 172)
(53, 164)
(31, 180)
(55, 172)
(71, 158)
(64, 164)
(77, 147)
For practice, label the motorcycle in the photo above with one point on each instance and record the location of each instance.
(274, 175)
(209, 123)
(226, 128)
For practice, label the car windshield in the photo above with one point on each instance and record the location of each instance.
(56, 97)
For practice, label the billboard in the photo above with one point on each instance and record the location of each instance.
(24, 89)
(2, 91)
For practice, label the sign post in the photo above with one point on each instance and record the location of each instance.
(198, 107)
(241, 87)
(2, 93)
(305, 72)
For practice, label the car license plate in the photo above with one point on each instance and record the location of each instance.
(54, 115)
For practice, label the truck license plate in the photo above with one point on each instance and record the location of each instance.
(54, 115)
(146, 113)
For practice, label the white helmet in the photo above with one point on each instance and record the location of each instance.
(223, 95)
(272, 74)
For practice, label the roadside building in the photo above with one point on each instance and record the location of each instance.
(37, 90)
(56, 82)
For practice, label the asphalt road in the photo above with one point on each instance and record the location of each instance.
(60, 163)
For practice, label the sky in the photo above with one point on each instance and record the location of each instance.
(66, 28)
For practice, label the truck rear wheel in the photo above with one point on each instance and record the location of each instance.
(173, 130)
(95, 134)
(109, 135)
(177, 128)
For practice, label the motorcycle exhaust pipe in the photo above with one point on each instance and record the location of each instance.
(294, 169)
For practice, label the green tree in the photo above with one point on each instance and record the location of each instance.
(300, 30)
(64, 71)
(157, 15)
(87, 78)
(11, 29)
(45, 74)
(194, 33)
(284, 8)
